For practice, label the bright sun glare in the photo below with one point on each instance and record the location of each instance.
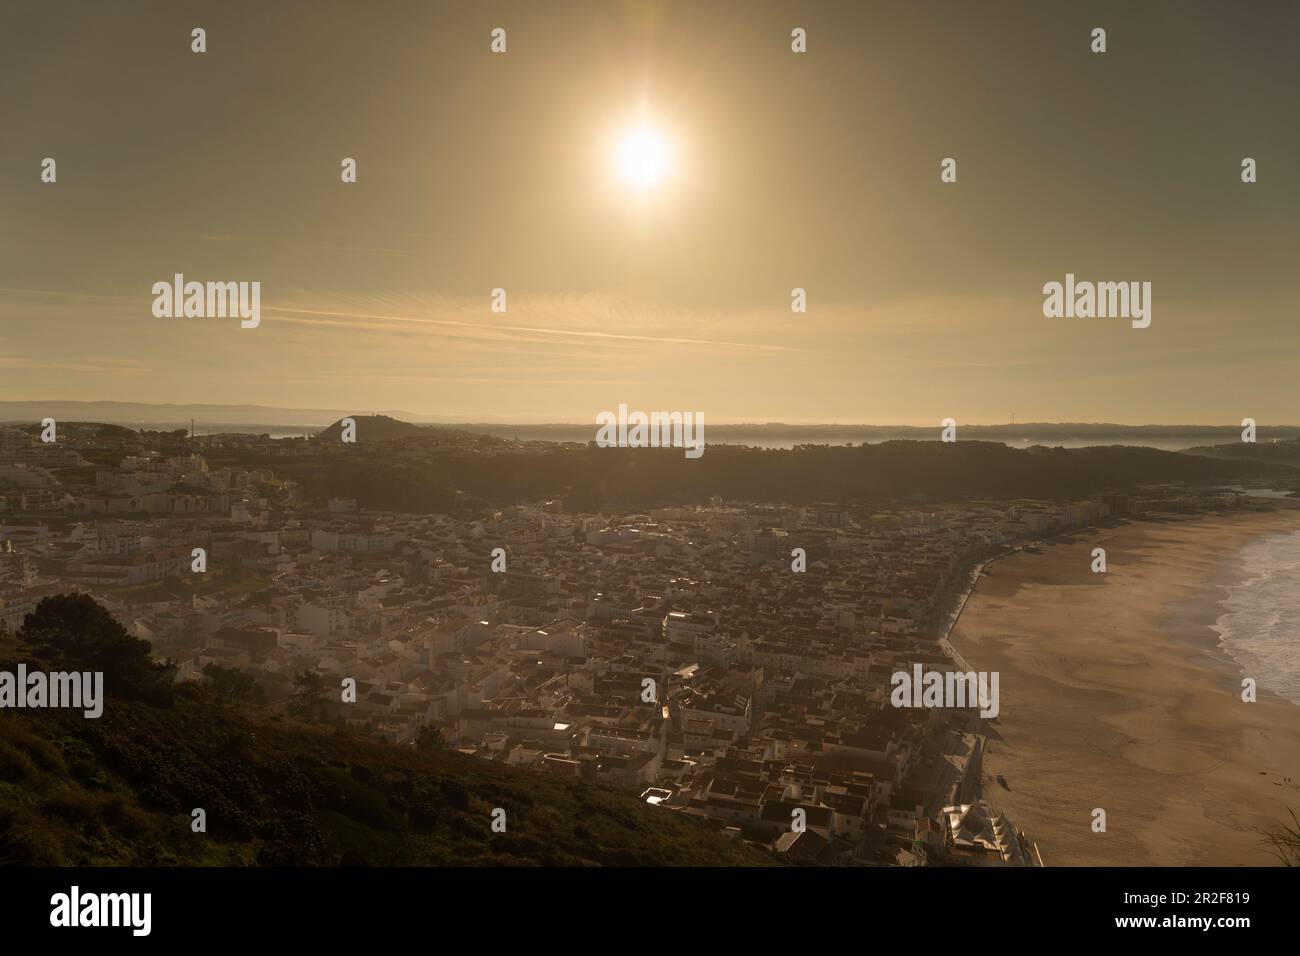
(642, 156)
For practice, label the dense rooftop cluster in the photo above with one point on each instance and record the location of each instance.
(728, 661)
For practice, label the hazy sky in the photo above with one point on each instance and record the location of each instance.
(817, 170)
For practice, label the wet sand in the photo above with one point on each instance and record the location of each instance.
(1114, 694)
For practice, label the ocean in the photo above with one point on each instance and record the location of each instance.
(286, 423)
(844, 435)
(1260, 624)
(748, 435)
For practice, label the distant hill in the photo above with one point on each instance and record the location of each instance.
(171, 415)
(80, 429)
(1276, 453)
(373, 428)
(136, 414)
(591, 479)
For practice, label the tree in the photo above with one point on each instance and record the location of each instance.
(231, 685)
(306, 701)
(74, 632)
(430, 738)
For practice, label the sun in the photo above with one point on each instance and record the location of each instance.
(642, 157)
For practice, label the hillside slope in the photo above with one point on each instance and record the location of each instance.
(1276, 452)
(120, 790)
(592, 479)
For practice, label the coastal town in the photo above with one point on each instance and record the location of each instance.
(729, 661)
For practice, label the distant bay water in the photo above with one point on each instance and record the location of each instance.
(773, 436)
(784, 436)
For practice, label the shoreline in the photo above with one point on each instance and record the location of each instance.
(1118, 694)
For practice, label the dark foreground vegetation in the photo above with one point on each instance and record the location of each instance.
(592, 479)
(120, 789)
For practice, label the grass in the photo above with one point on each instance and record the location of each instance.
(1284, 842)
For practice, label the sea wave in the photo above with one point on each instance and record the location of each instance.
(1260, 624)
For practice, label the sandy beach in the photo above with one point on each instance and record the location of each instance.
(1114, 694)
